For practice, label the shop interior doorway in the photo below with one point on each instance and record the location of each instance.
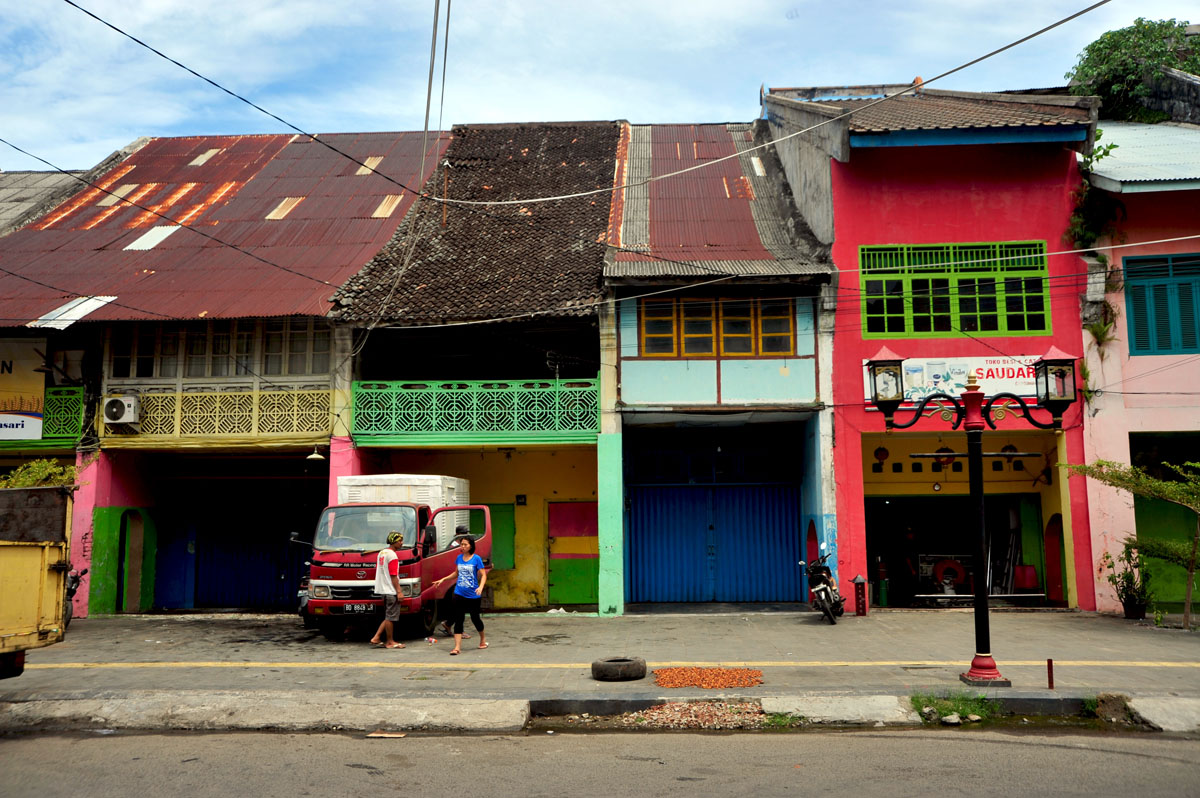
(921, 550)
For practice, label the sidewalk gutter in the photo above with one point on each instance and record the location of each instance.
(310, 711)
(285, 711)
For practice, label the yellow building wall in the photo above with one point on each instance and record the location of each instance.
(542, 476)
(951, 483)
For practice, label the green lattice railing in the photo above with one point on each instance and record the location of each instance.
(62, 421)
(476, 412)
(229, 413)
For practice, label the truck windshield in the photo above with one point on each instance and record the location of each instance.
(365, 527)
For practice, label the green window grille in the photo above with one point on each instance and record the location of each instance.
(461, 411)
(62, 421)
(944, 290)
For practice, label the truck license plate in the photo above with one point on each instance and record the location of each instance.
(359, 608)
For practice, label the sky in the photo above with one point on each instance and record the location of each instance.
(72, 91)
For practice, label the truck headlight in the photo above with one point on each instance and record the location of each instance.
(410, 588)
(319, 591)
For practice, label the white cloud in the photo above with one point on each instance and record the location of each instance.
(72, 90)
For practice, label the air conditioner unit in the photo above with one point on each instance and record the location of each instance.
(121, 409)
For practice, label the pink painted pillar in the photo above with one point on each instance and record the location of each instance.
(95, 478)
(345, 460)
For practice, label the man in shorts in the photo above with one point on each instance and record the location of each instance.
(387, 584)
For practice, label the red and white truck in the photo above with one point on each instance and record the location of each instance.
(431, 511)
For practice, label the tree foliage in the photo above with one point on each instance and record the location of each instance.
(1116, 66)
(1184, 490)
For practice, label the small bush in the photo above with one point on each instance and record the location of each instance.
(962, 704)
(40, 474)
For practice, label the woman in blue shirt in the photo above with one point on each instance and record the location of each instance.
(468, 592)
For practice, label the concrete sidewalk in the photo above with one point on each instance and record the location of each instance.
(224, 671)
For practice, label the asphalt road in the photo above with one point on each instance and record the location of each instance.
(865, 763)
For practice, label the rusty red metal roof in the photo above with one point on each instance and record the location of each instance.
(79, 248)
(724, 218)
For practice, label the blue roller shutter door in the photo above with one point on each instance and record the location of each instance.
(713, 543)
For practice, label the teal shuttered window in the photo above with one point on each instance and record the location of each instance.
(1162, 297)
(944, 290)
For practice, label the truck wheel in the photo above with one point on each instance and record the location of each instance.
(426, 621)
(334, 629)
(619, 669)
(12, 664)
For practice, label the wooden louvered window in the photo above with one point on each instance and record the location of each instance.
(740, 328)
(945, 290)
(221, 349)
(1162, 298)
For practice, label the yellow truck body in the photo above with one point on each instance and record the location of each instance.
(35, 536)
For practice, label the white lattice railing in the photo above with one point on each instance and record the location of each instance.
(230, 413)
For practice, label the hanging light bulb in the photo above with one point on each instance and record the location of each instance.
(316, 455)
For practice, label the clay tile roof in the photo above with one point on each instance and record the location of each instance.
(498, 261)
(931, 109)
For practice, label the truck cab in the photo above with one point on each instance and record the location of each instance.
(349, 537)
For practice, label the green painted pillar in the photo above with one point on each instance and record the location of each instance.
(610, 496)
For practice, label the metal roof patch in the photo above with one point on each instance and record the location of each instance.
(152, 237)
(203, 157)
(64, 316)
(284, 208)
(369, 165)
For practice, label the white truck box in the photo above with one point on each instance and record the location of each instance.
(435, 490)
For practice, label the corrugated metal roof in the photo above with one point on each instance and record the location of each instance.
(725, 218)
(328, 237)
(23, 193)
(1162, 155)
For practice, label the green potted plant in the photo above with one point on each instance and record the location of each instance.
(1129, 578)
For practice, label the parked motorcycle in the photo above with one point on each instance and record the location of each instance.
(73, 580)
(825, 596)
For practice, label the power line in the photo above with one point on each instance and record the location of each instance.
(163, 216)
(871, 104)
(612, 189)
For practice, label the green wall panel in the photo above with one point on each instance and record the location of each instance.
(574, 581)
(1159, 519)
(107, 558)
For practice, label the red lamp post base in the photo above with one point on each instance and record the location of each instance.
(983, 673)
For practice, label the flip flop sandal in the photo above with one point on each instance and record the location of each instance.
(454, 653)
(483, 645)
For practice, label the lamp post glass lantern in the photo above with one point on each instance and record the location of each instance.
(1054, 376)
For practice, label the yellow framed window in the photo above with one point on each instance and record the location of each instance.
(658, 328)
(737, 328)
(776, 327)
(699, 326)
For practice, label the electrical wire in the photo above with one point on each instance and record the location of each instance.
(612, 189)
(164, 217)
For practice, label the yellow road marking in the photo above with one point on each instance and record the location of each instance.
(585, 665)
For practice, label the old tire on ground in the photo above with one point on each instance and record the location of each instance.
(619, 669)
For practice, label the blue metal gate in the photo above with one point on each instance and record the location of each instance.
(713, 543)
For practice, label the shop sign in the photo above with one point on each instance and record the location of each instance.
(1000, 374)
(22, 390)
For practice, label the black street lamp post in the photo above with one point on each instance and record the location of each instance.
(1054, 378)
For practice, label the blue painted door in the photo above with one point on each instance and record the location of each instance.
(713, 543)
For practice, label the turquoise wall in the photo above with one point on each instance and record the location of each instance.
(669, 382)
(610, 497)
(679, 381)
(789, 381)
